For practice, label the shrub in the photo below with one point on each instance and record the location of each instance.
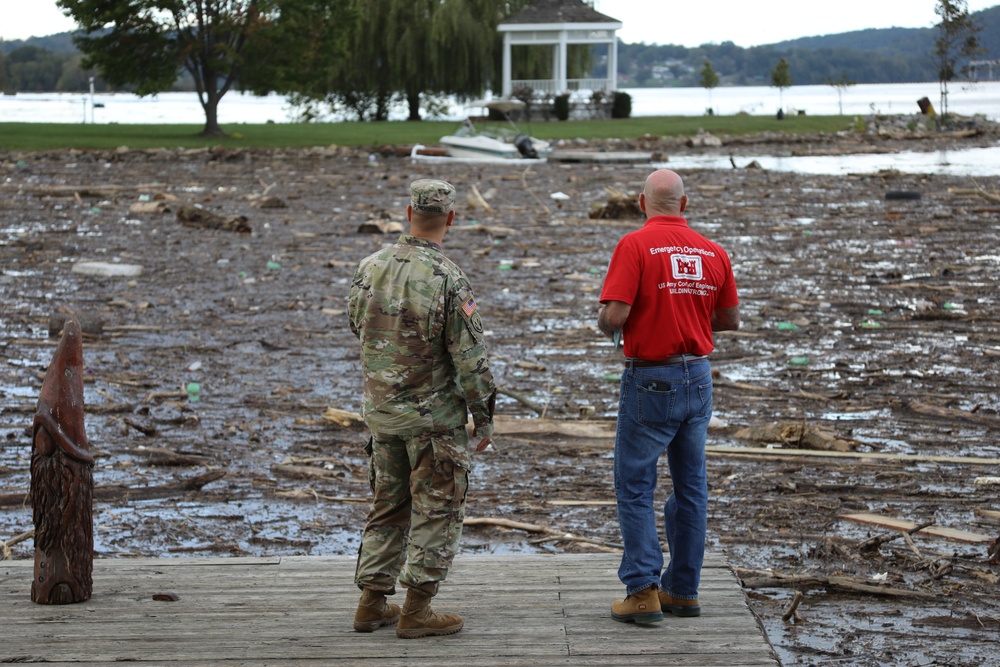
(621, 107)
(562, 106)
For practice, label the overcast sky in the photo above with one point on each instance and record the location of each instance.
(743, 22)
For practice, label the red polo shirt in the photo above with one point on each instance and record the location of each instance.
(673, 277)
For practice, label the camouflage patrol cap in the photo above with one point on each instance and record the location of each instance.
(432, 196)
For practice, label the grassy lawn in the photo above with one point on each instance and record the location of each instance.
(47, 136)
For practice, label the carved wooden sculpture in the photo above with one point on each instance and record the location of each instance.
(62, 482)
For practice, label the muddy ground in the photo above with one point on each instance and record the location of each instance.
(870, 323)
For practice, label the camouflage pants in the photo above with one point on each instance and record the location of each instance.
(415, 521)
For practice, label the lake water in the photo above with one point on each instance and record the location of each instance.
(983, 98)
(860, 100)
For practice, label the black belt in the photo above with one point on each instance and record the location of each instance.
(672, 360)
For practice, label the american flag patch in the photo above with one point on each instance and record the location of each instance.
(469, 307)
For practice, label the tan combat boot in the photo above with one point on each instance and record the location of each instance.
(374, 612)
(419, 620)
(642, 607)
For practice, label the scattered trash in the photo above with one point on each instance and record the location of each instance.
(149, 207)
(799, 361)
(107, 269)
(787, 326)
(902, 195)
(193, 390)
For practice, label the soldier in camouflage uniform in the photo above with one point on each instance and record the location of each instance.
(425, 369)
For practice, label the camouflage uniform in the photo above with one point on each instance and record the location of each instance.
(425, 369)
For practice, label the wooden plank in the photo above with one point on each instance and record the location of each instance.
(906, 526)
(871, 456)
(543, 610)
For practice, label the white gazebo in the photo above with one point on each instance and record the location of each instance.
(560, 23)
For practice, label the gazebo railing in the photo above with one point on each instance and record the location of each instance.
(552, 86)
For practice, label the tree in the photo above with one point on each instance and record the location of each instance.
(148, 43)
(781, 79)
(958, 38)
(840, 85)
(446, 47)
(709, 80)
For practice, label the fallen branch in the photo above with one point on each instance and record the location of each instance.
(17, 539)
(873, 543)
(310, 493)
(522, 399)
(911, 527)
(524, 184)
(118, 492)
(793, 608)
(764, 579)
(950, 413)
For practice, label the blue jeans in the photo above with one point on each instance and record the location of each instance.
(663, 408)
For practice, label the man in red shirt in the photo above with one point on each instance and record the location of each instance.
(667, 289)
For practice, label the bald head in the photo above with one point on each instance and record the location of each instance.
(663, 194)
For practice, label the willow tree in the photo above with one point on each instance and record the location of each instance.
(147, 44)
(408, 48)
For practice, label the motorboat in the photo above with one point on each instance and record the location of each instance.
(490, 142)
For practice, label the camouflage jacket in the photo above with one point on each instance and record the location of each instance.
(422, 349)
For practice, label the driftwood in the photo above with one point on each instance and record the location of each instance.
(192, 216)
(620, 205)
(767, 579)
(62, 482)
(551, 534)
(913, 528)
(5, 552)
(796, 435)
(950, 413)
(89, 323)
(792, 613)
(873, 543)
(115, 493)
(380, 227)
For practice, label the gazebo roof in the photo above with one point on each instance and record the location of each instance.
(558, 11)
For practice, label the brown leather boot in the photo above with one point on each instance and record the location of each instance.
(374, 612)
(419, 620)
(679, 606)
(642, 607)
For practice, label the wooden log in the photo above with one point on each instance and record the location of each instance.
(62, 482)
(89, 323)
(192, 216)
(914, 528)
(767, 579)
(117, 493)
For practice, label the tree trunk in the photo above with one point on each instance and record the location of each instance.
(211, 107)
(413, 102)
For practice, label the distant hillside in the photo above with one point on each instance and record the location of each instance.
(902, 41)
(890, 55)
(59, 43)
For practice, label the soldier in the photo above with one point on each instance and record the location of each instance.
(425, 369)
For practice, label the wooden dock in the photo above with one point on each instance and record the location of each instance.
(298, 611)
